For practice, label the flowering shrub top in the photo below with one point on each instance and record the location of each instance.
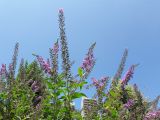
(40, 92)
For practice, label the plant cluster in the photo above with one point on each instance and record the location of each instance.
(39, 91)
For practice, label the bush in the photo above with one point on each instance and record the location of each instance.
(40, 92)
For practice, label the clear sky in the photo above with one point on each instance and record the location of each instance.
(113, 24)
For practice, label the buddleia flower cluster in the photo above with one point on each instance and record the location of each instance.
(100, 84)
(45, 65)
(128, 75)
(129, 104)
(152, 115)
(89, 61)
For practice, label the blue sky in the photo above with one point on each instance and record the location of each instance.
(113, 24)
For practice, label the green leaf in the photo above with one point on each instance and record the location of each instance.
(114, 113)
(81, 84)
(50, 85)
(112, 93)
(77, 95)
(62, 97)
(59, 92)
(80, 72)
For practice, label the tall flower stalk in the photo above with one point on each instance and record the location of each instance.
(54, 60)
(11, 78)
(119, 72)
(64, 46)
(66, 64)
(12, 66)
(54, 75)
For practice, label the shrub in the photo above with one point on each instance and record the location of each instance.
(40, 92)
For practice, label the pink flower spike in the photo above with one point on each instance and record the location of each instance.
(56, 48)
(3, 71)
(104, 79)
(45, 65)
(61, 10)
(128, 75)
(94, 80)
(129, 104)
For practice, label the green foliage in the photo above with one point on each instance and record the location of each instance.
(80, 72)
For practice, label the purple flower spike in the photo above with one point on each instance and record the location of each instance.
(152, 115)
(95, 83)
(34, 85)
(61, 10)
(56, 48)
(100, 84)
(128, 75)
(3, 71)
(37, 100)
(44, 65)
(129, 104)
(88, 62)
